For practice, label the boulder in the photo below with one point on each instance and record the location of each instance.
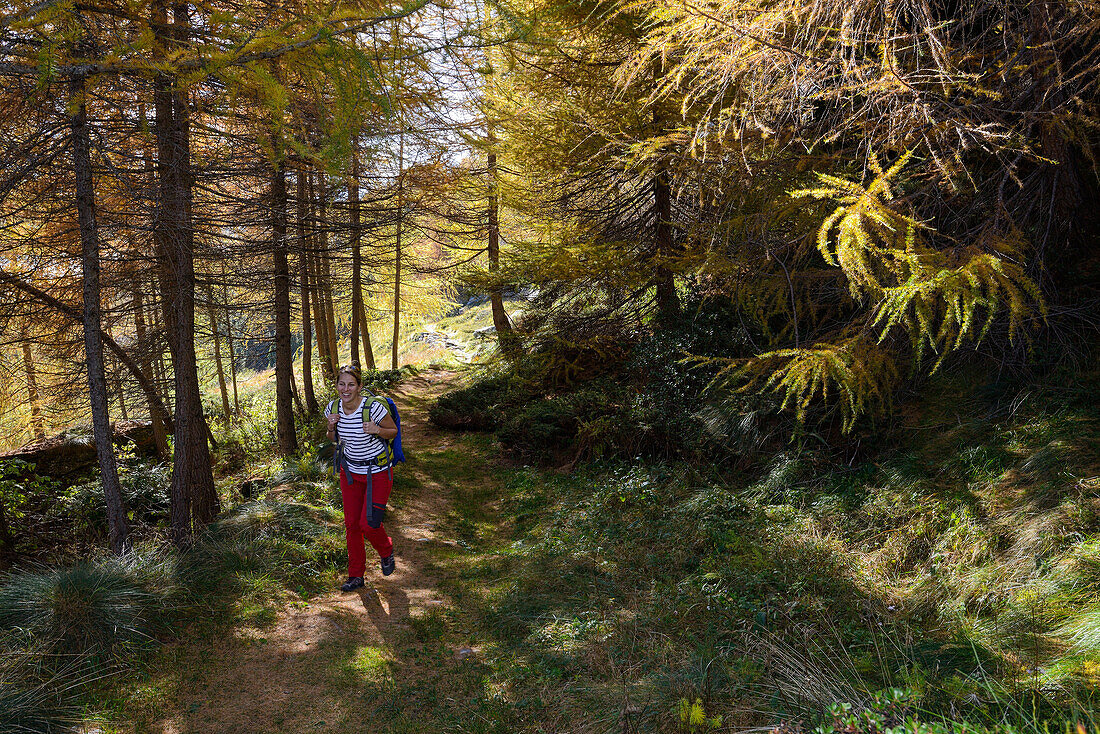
(73, 451)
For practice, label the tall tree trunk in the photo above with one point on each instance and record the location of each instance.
(38, 429)
(156, 367)
(364, 328)
(668, 302)
(359, 326)
(325, 281)
(330, 318)
(298, 397)
(192, 493)
(356, 257)
(284, 358)
(160, 367)
(505, 337)
(230, 346)
(222, 388)
(156, 417)
(320, 322)
(118, 531)
(397, 248)
(121, 394)
(303, 278)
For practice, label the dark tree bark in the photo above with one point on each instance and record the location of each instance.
(668, 302)
(303, 277)
(118, 531)
(192, 494)
(222, 388)
(314, 262)
(160, 366)
(325, 277)
(319, 321)
(505, 337)
(232, 351)
(156, 416)
(298, 398)
(397, 250)
(364, 328)
(38, 429)
(356, 251)
(284, 358)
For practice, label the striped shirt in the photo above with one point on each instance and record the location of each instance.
(361, 449)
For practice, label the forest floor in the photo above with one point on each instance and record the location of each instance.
(374, 660)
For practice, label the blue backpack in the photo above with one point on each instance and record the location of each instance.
(396, 454)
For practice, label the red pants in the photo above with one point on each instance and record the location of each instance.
(357, 516)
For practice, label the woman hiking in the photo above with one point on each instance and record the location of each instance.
(365, 482)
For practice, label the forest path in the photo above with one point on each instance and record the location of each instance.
(328, 663)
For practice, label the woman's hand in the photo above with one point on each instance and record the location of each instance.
(387, 430)
(333, 419)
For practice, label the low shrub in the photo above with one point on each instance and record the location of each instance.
(382, 380)
(267, 519)
(542, 429)
(308, 466)
(144, 488)
(649, 396)
(474, 407)
(101, 609)
(25, 502)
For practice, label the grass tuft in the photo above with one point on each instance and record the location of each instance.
(102, 609)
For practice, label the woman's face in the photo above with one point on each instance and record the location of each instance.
(347, 387)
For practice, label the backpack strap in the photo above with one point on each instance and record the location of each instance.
(332, 408)
(337, 449)
(385, 459)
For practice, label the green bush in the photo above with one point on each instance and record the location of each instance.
(896, 711)
(650, 398)
(474, 407)
(144, 488)
(542, 429)
(26, 500)
(308, 466)
(266, 519)
(285, 541)
(382, 380)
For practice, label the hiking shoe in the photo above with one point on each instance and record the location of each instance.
(388, 565)
(353, 583)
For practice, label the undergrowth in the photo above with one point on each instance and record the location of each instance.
(624, 395)
(955, 562)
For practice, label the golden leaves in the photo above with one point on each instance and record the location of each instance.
(940, 298)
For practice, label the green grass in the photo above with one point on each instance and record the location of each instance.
(959, 563)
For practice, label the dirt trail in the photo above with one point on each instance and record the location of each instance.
(281, 678)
